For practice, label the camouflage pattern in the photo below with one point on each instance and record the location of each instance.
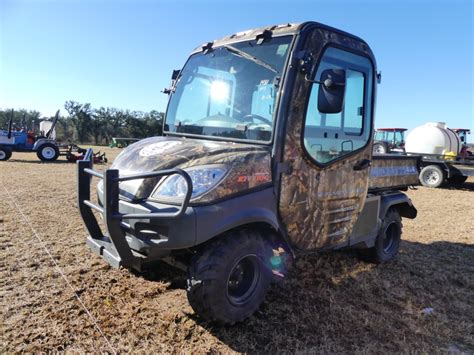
(248, 165)
(393, 171)
(319, 206)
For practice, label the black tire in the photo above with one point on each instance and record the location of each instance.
(48, 152)
(457, 179)
(379, 148)
(5, 153)
(229, 278)
(432, 176)
(388, 240)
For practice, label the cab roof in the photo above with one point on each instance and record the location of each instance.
(274, 30)
(391, 129)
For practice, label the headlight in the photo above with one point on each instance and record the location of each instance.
(204, 178)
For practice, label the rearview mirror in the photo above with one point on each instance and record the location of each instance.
(332, 85)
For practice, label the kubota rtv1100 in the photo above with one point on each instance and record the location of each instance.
(266, 154)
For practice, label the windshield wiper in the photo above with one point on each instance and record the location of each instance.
(250, 57)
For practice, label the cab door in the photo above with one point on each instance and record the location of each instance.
(328, 153)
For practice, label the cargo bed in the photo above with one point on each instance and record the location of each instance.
(394, 172)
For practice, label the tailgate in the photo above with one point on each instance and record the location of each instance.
(394, 172)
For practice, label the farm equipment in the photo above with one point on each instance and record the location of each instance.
(24, 140)
(467, 148)
(74, 153)
(266, 155)
(388, 140)
(444, 156)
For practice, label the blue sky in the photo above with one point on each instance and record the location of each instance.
(121, 53)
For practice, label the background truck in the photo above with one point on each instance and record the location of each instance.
(266, 155)
(388, 140)
(444, 155)
(24, 140)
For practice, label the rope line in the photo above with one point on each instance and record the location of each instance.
(58, 268)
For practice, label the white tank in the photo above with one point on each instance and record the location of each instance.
(432, 138)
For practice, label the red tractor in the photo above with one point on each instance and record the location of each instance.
(387, 140)
(466, 149)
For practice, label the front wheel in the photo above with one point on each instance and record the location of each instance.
(5, 153)
(48, 152)
(229, 278)
(431, 176)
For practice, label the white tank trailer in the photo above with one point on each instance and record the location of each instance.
(433, 138)
(440, 150)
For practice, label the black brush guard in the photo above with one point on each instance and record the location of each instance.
(113, 246)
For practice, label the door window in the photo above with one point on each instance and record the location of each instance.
(328, 137)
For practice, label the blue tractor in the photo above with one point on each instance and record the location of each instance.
(22, 140)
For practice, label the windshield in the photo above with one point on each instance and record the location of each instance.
(230, 91)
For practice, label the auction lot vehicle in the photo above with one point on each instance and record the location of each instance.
(266, 155)
(389, 140)
(44, 145)
(443, 152)
(437, 169)
(467, 148)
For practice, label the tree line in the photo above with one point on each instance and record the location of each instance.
(85, 124)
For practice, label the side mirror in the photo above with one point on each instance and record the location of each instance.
(332, 85)
(175, 74)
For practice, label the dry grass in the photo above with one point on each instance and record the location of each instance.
(331, 302)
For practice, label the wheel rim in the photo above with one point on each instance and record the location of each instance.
(390, 236)
(243, 280)
(431, 177)
(48, 153)
(2, 155)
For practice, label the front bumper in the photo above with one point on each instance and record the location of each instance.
(135, 232)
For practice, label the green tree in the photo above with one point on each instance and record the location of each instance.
(80, 116)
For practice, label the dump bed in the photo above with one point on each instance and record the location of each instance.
(392, 172)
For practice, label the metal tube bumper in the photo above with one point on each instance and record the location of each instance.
(112, 245)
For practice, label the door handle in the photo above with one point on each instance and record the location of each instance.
(363, 164)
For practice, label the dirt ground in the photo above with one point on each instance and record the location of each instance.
(423, 301)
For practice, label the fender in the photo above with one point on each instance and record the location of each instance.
(400, 201)
(213, 220)
(42, 141)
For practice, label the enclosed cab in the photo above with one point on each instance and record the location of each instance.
(266, 155)
(467, 148)
(388, 140)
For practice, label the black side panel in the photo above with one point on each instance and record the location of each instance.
(251, 208)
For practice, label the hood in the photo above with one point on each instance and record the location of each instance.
(246, 163)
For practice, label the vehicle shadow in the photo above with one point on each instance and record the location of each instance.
(334, 302)
(467, 186)
(23, 161)
(163, 272)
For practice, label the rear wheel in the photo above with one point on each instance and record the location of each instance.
(457, 179)
(48, 152)
(431, 176)
(5, 153)
(379, 148)
(229, 278)
(388, 240)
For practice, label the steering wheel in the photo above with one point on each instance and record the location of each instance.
(253, 116)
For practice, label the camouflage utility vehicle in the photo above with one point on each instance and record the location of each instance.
(266, 155)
